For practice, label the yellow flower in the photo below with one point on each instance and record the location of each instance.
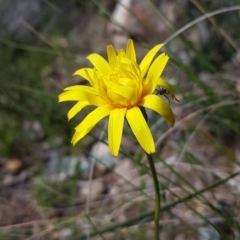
(120, 88)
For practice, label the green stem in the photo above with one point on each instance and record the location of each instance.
(157, 196)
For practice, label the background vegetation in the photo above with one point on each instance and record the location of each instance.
(44, 181)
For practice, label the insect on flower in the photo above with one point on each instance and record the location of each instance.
(163, 91)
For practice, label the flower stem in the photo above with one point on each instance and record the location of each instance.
(157, 196)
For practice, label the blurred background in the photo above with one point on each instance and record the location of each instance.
(51, 190)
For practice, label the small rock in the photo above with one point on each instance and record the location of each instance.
(208, 233)
(126, 169)
(97, 188)
(13, 166)
(63, 234)
(105, 160)
(125, 172)
(59, 168)
(8, 179)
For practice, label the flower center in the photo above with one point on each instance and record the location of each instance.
(123, 87)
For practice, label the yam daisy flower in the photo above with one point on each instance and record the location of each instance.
(120, 88)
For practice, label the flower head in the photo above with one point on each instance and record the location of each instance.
(120, 87)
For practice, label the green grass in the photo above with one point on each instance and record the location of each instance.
(196, 160)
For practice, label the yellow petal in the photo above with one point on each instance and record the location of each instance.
(128, 91)
(156, 70)
(140, 129)
(115, 128)
(145, 63)
(147, 88)
(77, 108)
(100, 64)
(77, 95)
(112, 57)
(130, 52)
(117, 99)
(158, 105)
(72, 96)
(79, 88)
(79, 135)
(94, 117)
(121, 53)
(127, 60)
(86, 73)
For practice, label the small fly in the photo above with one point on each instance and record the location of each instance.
(163, 91)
